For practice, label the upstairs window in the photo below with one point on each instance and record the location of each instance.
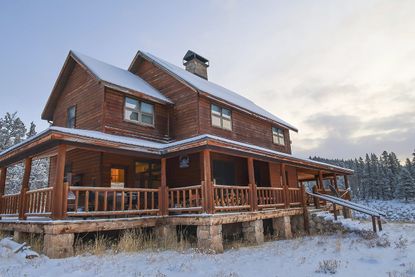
(278, 136)
(71, 117)
(139, 112)
(221, 117)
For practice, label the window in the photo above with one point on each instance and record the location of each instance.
(117, 177)
(70, 117)
(147, 174)
(138, 111)
(221, 117)
(278, 136)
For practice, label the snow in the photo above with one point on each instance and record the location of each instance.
(161, 147)
(118, 76)
(392, 253)
(395, 210)
(216, 90)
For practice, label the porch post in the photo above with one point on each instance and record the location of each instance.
(305, 209)
(207, 186)
(3, 175)
(320, 179)
(285, 186)
(335, 182)
(252, 184)
(346, 185)
(58, 199)
(347, 213)
(315, 190)
(163, 195)
(25, 188)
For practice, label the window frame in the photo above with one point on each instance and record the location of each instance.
(221, 116)
(139, 112)
(279, 134)
(68, 120)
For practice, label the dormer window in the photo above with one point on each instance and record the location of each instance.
(71, 117)
(278, 136)
(138, 111)
(221, 117)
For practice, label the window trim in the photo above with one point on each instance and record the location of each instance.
(139, 121)
(221, 117)
(277, 134)
(74, 118)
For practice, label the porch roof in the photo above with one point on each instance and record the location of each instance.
(55, 135)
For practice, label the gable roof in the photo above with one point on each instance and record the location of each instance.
(109, 75)
(211, 88)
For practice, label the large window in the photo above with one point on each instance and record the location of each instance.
(117, 177)
(278, 136)
(71, 117)
(137, 111)
(148, 174)
(221, 117)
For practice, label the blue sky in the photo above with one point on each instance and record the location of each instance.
(343, 72)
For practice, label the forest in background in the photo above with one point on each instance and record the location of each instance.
(380, 177)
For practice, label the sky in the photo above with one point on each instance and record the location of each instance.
(342, 72)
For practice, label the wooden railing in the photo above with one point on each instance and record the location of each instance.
(270, 197)
(227, 198)
(9, 204)
(294, 196)
(38, 202)
(101, 201)
(185, 199)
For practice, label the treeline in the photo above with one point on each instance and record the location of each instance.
(13, 131)
(379, 177)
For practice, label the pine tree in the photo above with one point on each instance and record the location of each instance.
(32, 130)
(406, 188)
(12, 130)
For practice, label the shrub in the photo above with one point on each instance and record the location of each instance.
(328, 266)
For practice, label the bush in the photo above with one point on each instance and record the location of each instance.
(328, 266)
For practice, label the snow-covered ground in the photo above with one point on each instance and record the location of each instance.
(395, 210)
(392, 254)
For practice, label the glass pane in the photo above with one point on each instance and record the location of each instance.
(117, 178)
(141, 167)
(146, 108)
(226, 113)
(131, 103)
(216, 109)
(71, 112)
(274, 130)
(227, 124)
(216, 121)
(131, 115)
(274, 139)
(147, 119)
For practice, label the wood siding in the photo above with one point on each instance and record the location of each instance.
(184, 122)
(114, 122)
(83, 91)
(181, 177)
(245, 128)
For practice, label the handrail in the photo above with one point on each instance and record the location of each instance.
(348, 204)
(185, 199)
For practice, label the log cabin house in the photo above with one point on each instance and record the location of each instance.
(157, 146)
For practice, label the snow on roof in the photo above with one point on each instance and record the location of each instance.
(119, 77)
(161, 147)
(216, 90)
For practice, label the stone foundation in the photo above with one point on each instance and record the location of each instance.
(209, 238)
(253, 231)
(282, 227)
(320, 225)
(18, 236)
(165, 235)
(58, 246)
(297, 225)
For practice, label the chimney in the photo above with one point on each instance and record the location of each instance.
(196, 64)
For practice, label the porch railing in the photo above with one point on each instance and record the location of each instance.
(9, 204)
(101, 201)
(185, 199)
(227, 198)
(38, 202)
(270, 197)
(294, 196)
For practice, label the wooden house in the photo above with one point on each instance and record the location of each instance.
(157, 146)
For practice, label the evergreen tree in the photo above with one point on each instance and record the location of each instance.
(32, 130)
(12, 130)
(406, 187)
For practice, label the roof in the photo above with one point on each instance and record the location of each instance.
(213, 89)
(118, 76)
(160, 148)
(109, 75)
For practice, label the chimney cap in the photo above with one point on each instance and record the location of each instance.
(190, 55)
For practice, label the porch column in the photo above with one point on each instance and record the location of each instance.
(207, 186)
(305, 209)
(3, 175)
(335, 182)
(285, 186)
(25, 188)
(315, 190)
(252, 184)
(347, 213)
(163, 194)
(58, 199)
(320, 179)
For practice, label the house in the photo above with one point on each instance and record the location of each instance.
(157, 146)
